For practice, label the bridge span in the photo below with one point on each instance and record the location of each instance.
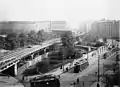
(27, 54)
(13, 62)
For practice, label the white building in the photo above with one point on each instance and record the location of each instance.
(111, 42)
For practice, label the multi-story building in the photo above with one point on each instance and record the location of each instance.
(59, 27)
(24, 26)
(105, 29)
(83, 27)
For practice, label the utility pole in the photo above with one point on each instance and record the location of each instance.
(63, 58)
(98, 85)
(117, 64)
(103, 69)
(98, 71)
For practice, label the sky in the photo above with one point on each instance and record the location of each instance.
(72, 11)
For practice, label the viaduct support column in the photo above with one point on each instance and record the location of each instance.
(15, 69)
(89, 49)
(32, 56)
(44, 50)
(31, 60)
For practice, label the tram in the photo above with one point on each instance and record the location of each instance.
(45, 81)
(81, 65)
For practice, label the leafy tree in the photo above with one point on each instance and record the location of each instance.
(67, 39)
(32, 34)
(42, 67)
(68, 44)
(22, 39)
(46, 35)
(32, 37)
(30, 72)
(11, 41)
(2, 42)
(40, 35)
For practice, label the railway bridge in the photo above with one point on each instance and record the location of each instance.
(12, 63)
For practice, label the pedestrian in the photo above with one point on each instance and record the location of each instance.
(61, 67)
(77, 80)
(23, 78)
(59, 76)
(67, 69)
(114, 70)
(83, 83)
(74, 84)
(95, 73)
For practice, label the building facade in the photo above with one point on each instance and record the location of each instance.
(58, 25)
(25, 26)
(105, 29)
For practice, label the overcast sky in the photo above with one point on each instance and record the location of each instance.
(74, 11)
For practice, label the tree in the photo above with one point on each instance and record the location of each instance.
(11, 41)
(32, 37)
(22, 39)
(2, 42)
(30, 72)
(40, 35)
(42, 67)
(68, 40)
(46, 35)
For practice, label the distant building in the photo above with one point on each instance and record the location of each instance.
(23, 26)
(59, 27)
(105, 29)
(59, 32)
(83, 27)
(26, 26)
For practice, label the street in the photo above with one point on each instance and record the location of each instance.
(87, 76)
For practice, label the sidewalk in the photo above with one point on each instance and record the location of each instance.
(6, 81)
(59, 71)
